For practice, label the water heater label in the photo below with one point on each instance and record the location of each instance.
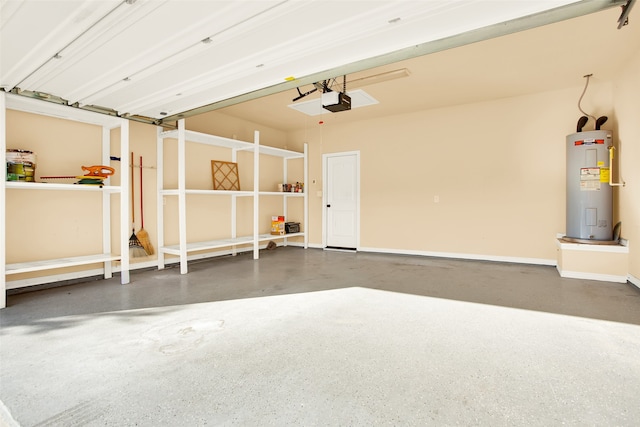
(590, 179)
(588, 141)
(604, 175)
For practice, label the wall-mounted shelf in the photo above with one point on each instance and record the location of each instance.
(176, 192)
(183, 247)
(106, 257)
(26, 267)
(281, 194)
(61, 187)
(208, 245)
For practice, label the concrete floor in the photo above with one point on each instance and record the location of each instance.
(311, 337)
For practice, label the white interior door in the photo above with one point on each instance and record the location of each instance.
(342, 177)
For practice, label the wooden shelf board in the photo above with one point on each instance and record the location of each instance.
(25, 267)
(281, 193)
(175, 192)
(266, 237)
(207, 245)
(224, 243)
(57, 186)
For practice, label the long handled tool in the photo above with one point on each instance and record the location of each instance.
(143, 236)
(136, 250)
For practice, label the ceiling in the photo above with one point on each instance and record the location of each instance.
(551, 57)
(157, 60)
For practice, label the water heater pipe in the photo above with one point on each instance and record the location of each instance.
(611, 183)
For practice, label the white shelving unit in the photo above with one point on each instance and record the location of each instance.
(20, 103)
(183, 247)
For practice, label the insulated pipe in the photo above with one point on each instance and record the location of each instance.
(611, 183)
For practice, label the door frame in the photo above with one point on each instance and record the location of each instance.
(325, 160)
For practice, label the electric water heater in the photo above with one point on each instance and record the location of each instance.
(589, 195)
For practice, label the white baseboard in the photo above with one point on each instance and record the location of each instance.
(592, 276)
(517, 260)
(476, 257)
(16, 284)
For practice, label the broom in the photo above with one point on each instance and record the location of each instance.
(143, 236)
(135, 248)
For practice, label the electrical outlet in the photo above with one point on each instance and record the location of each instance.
(436, 199)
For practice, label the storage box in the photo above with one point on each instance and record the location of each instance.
(291, 227)
(277, 225)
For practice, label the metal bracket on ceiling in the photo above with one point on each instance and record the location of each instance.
(46, 97)
(330, 83)
(323, 86)
(37, 95)
(302, 95)
(624, 16)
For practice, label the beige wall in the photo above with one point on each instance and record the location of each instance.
(40, 224)
(497, 168)
(626, 92)
(54, 224)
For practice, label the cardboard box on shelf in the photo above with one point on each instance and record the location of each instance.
(277, 225)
